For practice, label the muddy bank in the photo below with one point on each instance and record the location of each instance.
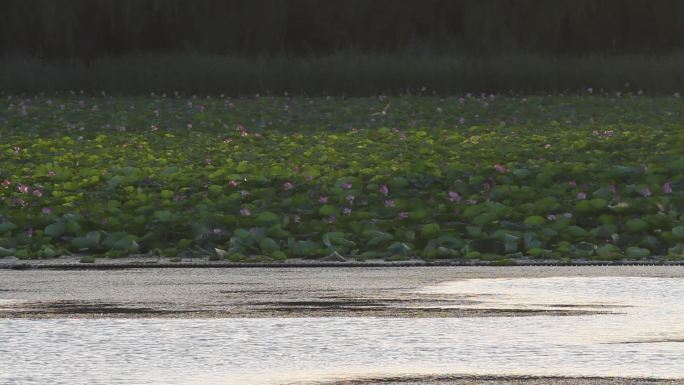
(507, 380)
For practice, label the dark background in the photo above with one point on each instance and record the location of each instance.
(90, 29)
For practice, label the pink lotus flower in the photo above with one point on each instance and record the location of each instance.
(581, 195)
(384, 190)
(667, 189)
(6, 183)
(390, 203)
(572, 184)
(346, 185)
(403, 215)
(646, 192)
(322, 199)
(346, 211)
(245, 212)
(232, 183)
(350, 198)
(500, 168)
(567, 215)
(46, 210)
(454, 196)
(288, 186)
(551, 217)
(37, 193)
(23, 188)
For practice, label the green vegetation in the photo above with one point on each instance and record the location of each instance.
(270, 178)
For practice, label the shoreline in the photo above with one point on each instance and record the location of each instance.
(73, 263)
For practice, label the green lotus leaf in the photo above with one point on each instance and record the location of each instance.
(268, 245)
(399, 248)
(449, 241)
(535, 220)
(56, 229)
(267, 218)
(575, 232)
(678, 233)
(336, 238)
(608, 251)
(7, 227)
(126, 245)
(484, 218)
(377, 238)
(583, 250)
(636, 225)
(531, 241)
(634, 252)
(305, 248)
(328, 210)
(490, 246)
(430, 230)
(164, 216)
(598, 203)
(676, 250)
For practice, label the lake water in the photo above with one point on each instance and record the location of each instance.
(643, 336)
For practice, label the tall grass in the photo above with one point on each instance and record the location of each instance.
(345, 74)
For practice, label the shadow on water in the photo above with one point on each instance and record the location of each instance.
(48, 309)
(316, 307)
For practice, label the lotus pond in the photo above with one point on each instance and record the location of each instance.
(478, 177)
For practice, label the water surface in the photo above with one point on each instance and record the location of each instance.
(641, 335)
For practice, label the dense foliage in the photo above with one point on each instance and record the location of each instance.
(91, 29)
(471, 177)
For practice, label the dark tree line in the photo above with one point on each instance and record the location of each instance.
(95, 28)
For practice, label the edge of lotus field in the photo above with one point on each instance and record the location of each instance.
(91, 263)
(477, 179)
